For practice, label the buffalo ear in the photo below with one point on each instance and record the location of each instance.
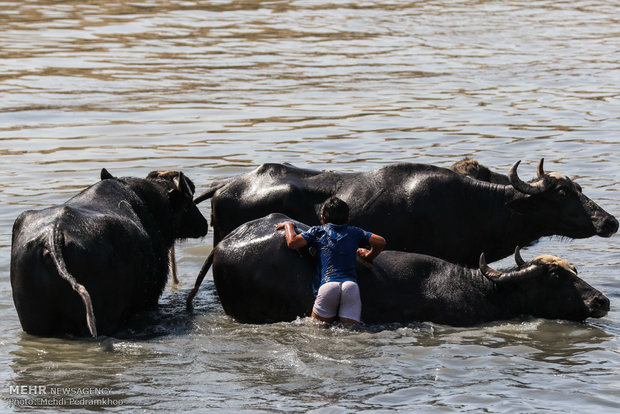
(105, 175)
(182, 184)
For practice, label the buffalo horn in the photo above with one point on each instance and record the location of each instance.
(518, 259)
(487, 270)
(499, 277)
(540, 170)
(530, 189)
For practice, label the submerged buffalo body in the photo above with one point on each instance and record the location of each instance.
(418, 208)
(84, 266)
(260, 280)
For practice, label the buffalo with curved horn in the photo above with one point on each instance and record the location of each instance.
(260, 280)
(418, 208)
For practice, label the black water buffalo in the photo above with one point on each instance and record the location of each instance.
(85, 266)
(260, 280)
(418, 208)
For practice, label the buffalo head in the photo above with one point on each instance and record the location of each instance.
(188, 221)
(558, 206)
(548, 287)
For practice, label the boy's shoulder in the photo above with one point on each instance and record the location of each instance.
(319, 229)
(328, 227)
(359, 230)
(314, 230)
(345, 229)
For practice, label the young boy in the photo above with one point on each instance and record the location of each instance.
(337, 244)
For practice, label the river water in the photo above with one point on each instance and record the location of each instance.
(215, 89)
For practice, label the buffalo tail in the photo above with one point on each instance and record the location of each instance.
(56, 243)
(216, 185)
(201, 275)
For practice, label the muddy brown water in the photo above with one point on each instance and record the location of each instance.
(217, 88)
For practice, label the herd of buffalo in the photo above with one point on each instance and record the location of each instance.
(86, 266)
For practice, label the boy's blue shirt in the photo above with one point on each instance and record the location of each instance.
(336, 246)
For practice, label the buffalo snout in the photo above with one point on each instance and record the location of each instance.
(608, 227)
(598, 306)
(193, 224)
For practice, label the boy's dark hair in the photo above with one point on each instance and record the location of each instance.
(335, 211)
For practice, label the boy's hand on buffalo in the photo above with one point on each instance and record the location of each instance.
(363, 253)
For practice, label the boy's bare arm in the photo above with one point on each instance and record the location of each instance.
(293, 240)
(377, 244)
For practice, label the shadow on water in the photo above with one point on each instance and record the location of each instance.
(557, 341)
(169, 318)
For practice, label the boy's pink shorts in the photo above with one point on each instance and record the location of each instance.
(339, 298)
